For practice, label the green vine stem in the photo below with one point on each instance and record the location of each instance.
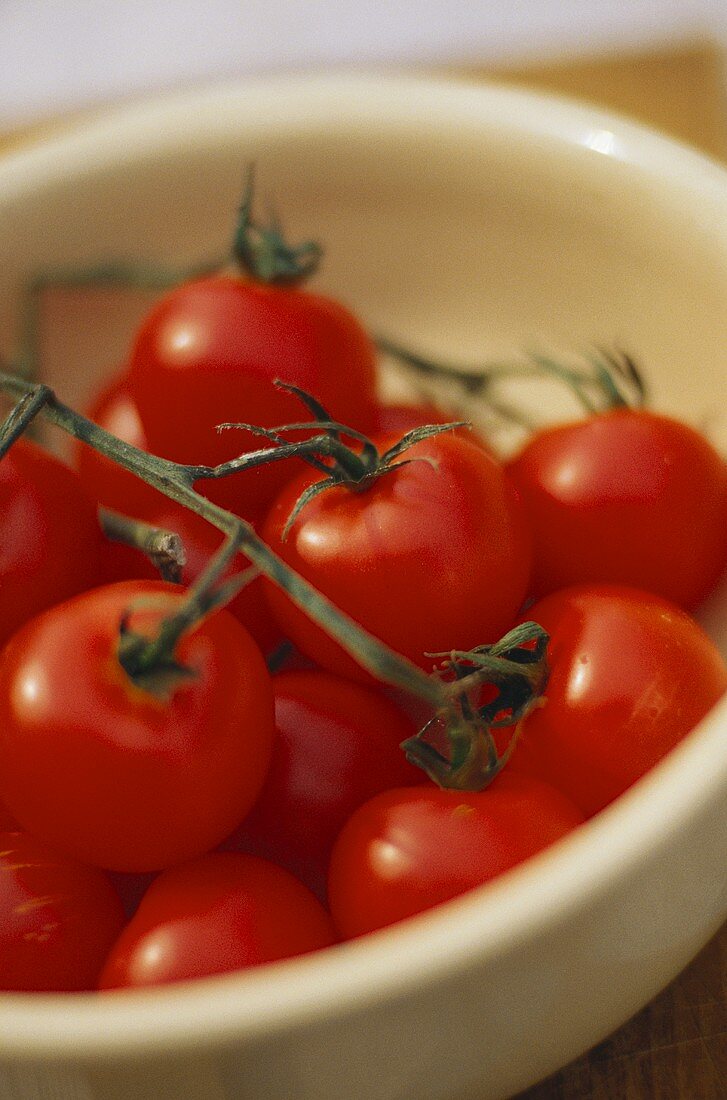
(164, 549)
(606, 379)
(261, 250)
(516, 665)
(176, 480)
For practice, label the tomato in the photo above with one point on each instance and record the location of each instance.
(50, 540)
(409, 849)
(631, 676)
(337, 745)
(431, 556)
(7, 822)
(58, 919)
(106, 769)
(224, 911)
(629, 497)
(208, 353)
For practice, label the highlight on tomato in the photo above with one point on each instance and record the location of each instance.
(58, 918)
(225, 911)
(631, 676)
(120, 750)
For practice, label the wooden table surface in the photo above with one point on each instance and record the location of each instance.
(676, 1048)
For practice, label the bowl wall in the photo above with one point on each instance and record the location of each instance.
(468, 222)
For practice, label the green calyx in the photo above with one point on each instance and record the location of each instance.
(150, 662)
(262, 251)
(456, 748)
(326, 451)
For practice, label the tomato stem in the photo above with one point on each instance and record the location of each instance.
(175, 480)
(262, 251)
(339, 463)
(608, 379)
(163, 548)
(515, 666)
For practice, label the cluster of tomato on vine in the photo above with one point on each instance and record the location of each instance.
(382, 665)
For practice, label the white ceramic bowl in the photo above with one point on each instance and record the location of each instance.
(470, 221)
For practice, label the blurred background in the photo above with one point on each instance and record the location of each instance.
(661, 60)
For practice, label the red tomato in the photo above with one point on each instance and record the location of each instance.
(337, 745)
(209, 352)
(58, 919)
(110, 772)
(50, 541)
(631, 676)
(409, 849)
(628, 497)
(7, 823)
(225, 911)
(432, 556)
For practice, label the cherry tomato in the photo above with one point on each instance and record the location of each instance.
(631, 676)
(432, 556)
(112, 772)
(209, 352)
(50, 540)
(409, 849)
(337, 745)
(225, 911)
(58, 919)
(628, 497)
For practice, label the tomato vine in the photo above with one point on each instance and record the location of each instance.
(176, 480)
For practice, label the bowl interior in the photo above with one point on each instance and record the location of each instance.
(466, 222)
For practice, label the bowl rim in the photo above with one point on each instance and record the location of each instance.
(565, 879)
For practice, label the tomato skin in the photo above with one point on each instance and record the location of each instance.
(110, 773)
(447, 524)
(58, 918)
(409, 849)
(7, 822)
(50, 540)
(404, 416)
(225, 911)
(337, 744)
(631, 676)
(209, 352)
(628, 497)
(396, 418)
